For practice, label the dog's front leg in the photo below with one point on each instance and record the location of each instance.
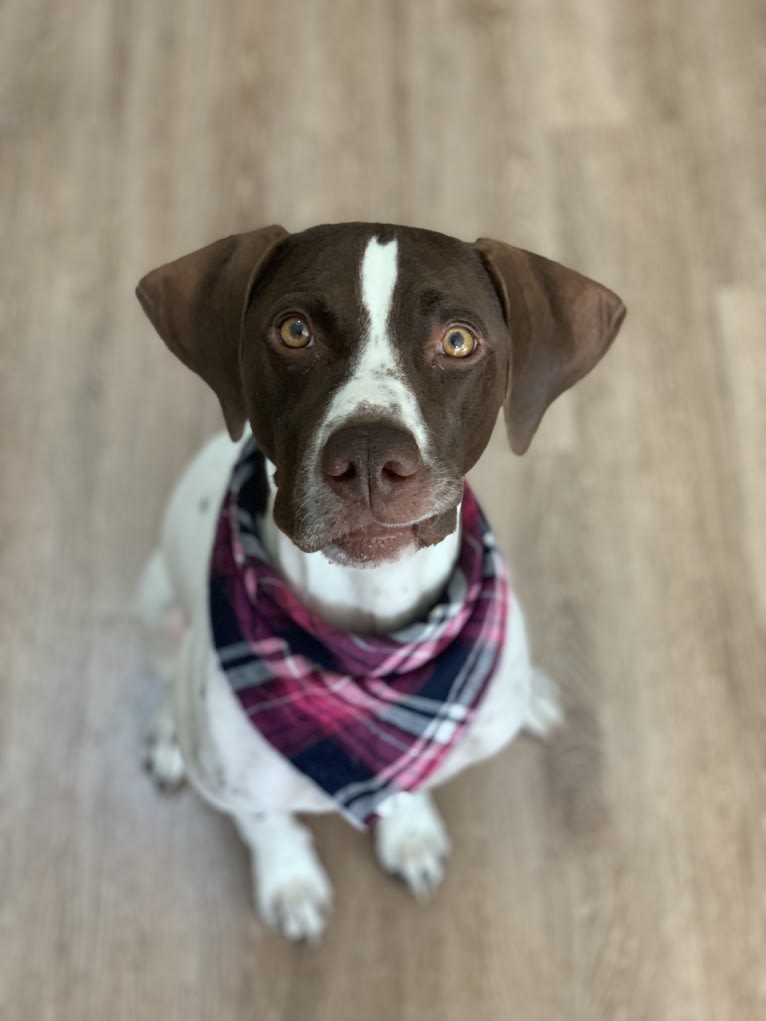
(291, 889)
(412, 843)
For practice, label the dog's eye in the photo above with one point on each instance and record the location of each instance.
(458, 342)
(295, 333)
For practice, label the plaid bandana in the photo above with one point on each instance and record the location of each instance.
(363, 716)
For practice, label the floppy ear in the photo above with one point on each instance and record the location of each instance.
(196, 305)
(560, 323)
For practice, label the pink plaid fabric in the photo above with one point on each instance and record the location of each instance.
(363, 716)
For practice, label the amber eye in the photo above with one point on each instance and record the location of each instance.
(458, 342)
(295, 333)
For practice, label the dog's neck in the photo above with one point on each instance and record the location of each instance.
(376, 599)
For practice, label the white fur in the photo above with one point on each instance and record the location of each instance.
(378, 280)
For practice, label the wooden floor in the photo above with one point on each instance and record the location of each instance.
(619, 874)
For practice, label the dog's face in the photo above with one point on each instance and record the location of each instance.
(372, 361)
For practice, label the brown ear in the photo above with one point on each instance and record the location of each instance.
(196, 305)
(560, 322)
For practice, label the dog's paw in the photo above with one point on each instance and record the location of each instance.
(294, 896)
(164, 763)
(545, 713)
(291, 890)
(412, 843)
(162, 755)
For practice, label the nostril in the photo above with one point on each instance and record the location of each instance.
(397, 471)
(341, 471)
(347, 476)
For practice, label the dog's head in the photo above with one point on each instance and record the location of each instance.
(372, 361)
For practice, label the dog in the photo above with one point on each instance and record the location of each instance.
(360, 370)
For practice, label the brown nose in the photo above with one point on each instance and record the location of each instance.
(373, 464)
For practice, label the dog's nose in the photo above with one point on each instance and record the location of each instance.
(371, 462)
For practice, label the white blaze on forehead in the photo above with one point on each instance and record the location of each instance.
(378, 282)
(375, 379)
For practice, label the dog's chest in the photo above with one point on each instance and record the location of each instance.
(363, 716)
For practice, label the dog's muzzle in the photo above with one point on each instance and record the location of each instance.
(383, 497)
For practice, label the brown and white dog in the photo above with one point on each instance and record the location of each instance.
(370, 362)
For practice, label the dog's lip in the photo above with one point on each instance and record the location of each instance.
(373, 538)
(376, 530)
(373, 543)
(373, 530)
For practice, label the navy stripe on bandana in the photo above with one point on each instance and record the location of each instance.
(363, 716)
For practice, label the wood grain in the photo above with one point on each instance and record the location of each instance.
(618, 874)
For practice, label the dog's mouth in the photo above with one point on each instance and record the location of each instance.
(376, 543)
(373, 544)
(352, 535)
